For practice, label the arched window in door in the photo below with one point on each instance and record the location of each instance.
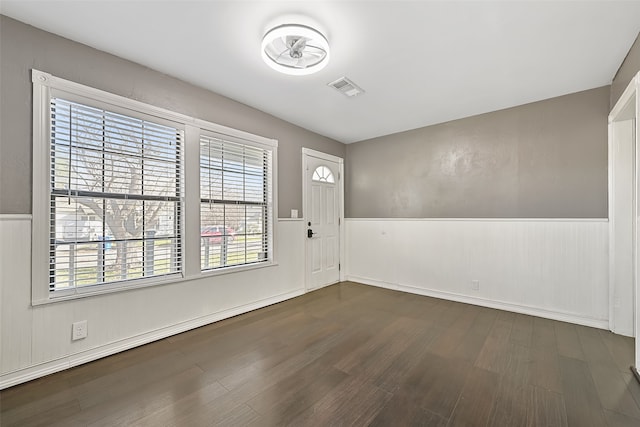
(323, 174)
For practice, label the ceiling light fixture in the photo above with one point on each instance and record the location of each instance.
(295, 49)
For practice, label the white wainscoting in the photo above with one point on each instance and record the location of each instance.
(556, 269)
(36, 341)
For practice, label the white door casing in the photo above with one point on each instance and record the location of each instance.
(323, 216)
(624, 216)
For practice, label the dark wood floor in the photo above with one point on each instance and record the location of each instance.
(350, 354)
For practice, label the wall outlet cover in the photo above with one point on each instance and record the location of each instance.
(79, 330)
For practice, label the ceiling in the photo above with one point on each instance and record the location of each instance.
(420, 63)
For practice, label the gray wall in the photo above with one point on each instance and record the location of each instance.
(23, 47)
(542, 160)
(629, 68)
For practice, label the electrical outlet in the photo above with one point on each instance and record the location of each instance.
(79, 330)
(475, 285)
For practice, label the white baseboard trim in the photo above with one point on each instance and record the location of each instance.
(32, 372)
(516, 308)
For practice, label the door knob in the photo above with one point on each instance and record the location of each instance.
(310, 233)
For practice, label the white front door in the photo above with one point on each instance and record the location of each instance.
(322, 218)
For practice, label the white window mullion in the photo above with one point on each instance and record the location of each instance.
(191, 224)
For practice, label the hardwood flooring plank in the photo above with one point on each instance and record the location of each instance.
(114, 384)
(39, 391)
(476, 399)
(468, 349)
(581, 399)
(186, 404)
(396, 373)
(615, 419)
(240, 415)
(374, 356)
(595, 351)
(14, 413)
(567, 341)
(401, 411)
(435, 384)
(327, 350)
(127, 407)
(511, 406)
(462, 321)
(42, 416)
(545, 369)
(632, 385)
(291, 358)
(281, 403)
(517, 363)
(493, 355)
(117, 362)
(222, 362)
(621, 349)
(522, 330)
(546, 408)
(613, 391)
(355, 402)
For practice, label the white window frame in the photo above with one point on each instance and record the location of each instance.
(210, 134)
(43, 86)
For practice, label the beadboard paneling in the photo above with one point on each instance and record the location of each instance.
(553, 268)
(15, 291)
(37, 340)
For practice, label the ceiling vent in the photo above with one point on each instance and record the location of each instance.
(346, 87)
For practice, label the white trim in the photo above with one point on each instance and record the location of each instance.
(343, 261)
(308, 152)
(630, 95)
(23, 375)
(321, 155)
(40, 189)
(516, 308)
(486, 219)
(16, 217)
(290, 219)
(273, 209)
(624, 99)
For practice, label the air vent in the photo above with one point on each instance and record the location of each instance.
(346, 87)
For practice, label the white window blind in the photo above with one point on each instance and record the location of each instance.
(116, 196)
(235, 202)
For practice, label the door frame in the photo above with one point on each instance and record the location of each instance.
(308, 152)
(622, 111)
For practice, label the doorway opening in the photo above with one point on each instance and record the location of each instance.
(624, 219)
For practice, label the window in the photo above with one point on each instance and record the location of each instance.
(112, 190)
(116, 193)
(235, 196)
(323, 174)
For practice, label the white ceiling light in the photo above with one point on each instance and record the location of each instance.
(295, 49)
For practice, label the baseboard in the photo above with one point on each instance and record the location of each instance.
(32, 372)
(516, 308)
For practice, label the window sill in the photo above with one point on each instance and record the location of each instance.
(91, 291)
